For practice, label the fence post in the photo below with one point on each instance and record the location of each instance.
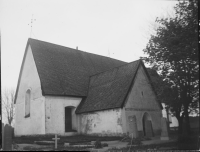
(7, 138)
(2, 135)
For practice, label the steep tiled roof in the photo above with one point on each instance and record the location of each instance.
(103, 82)
(66, 71)
(109, 89)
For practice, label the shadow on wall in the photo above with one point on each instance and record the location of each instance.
(88, 126)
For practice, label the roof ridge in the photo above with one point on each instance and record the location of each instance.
(30, 39)
(114, 68)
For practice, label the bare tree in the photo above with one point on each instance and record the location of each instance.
(8, 104)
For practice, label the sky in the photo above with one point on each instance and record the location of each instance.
(118, 29)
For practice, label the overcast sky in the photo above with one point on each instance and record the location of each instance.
(116, 28)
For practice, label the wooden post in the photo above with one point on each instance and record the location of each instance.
(7, 138)
(2, 136)
(56, 141)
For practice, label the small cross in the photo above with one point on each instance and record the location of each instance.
(31, 24)
(56, 141)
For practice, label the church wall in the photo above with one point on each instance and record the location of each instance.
(33, 125)
(124, 121)
(55, 113)
(29, 80)
(155, 119)
(107, 122)
(142, 99)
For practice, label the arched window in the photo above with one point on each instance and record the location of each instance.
(27, 103)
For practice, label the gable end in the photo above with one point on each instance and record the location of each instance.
(133, 81)
(131, 85)
(22, 68)
(20, 73)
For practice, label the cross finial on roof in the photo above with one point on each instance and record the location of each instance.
(31, 24)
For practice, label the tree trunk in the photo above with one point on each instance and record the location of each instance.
(186, 101)
(180, 126)
(180, 122)
(9, 121)
(187, 120)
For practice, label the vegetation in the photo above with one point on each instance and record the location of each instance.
(64, 139)
(173, 52)
(183, 143)
(8, 104)
(97, 144)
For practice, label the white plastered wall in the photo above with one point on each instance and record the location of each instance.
(55, 113)
(106, 122)
(35, 124)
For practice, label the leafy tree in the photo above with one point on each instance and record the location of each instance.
(162, 88)
(173, 51)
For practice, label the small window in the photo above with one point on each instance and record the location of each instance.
(142, 93)
(27, 103)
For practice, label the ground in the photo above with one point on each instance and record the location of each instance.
(114, 143)
(66, 139)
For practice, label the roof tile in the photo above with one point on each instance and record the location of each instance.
(102, 82)
(108, 89)
(66, 71)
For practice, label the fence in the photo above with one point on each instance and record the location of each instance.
(7, 136)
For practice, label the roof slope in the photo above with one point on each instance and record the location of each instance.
(103, 82)
(66, 71)
(109, 89)
(162, 89)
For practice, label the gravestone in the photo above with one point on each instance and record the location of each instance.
(148, 128)
(7, 143)
(133, 127)
(164, 131)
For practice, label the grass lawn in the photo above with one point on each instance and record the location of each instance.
(60, 148)
(63, 139)
(184, 143)
(164, 146)
(189, 143)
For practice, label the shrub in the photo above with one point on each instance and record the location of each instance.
(104, 145)
(135, 141)
(98, 144)
(183, 139)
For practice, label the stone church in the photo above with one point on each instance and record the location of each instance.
(66, 91)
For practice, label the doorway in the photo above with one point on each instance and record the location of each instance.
(147, 125)
(68, 119)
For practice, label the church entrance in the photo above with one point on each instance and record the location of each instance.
(147, 125)
(68, 119)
